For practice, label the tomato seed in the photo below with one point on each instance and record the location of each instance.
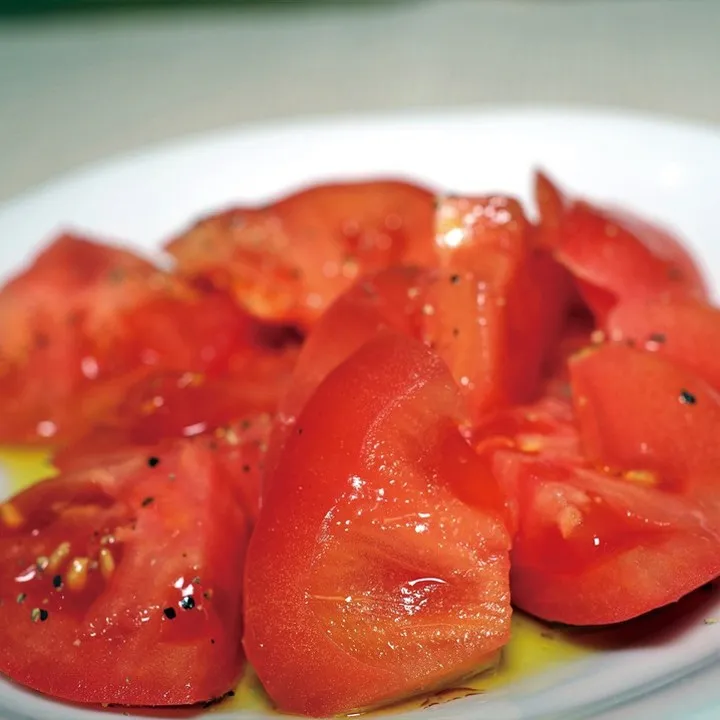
(76, 577)
(107, 563)
(11, 516)
(58, 555)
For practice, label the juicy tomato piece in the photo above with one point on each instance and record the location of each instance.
(85, 322)
(592, 548)
(180, 405)
(614, 255)
(467, 228)
(115, 583)
(641, 413)
(499, 303)
(289, 260)
(686, 332)
(391, 299)
(378, 567)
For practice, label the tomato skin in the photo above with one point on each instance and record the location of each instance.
(365, 519)
(169, 521)
(91, 320)
(614, 255)
(289, 260)
(686, 332)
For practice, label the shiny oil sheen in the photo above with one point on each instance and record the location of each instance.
(534, 647)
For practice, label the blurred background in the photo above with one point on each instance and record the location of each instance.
(84, 79)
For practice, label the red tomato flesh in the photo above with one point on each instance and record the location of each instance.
(378, 567)
(121, 583)
(636, 525)
(614, 255)
(85, 322)
(289, 260)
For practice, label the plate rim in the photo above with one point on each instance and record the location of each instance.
(260, 130)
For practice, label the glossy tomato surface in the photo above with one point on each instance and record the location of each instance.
(121, 582)
(85, 322)
(378, 567)
(289, 260)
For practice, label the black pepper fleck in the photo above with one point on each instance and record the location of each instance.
(455, 279)
(153, 461)
(657, 338)
(57, 581)
(188, 602)
(456, 332)
(148, 501)
(212, 641)
(169, 613)
(687, 398)
(44, 614)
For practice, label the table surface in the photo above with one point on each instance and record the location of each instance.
(74, 90)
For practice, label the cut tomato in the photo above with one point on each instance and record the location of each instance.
(686, 332)
(391, 299)
(614, 255)
(378, 567)
(498, 304)
(641, 528)
(639, 412)
(592, 548)
(122, 583)
(85, 322)
(289, 260)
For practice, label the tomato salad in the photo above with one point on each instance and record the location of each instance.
(342, 436)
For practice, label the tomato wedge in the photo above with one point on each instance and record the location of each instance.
(85, 322)
(638, 411)
(115, 582)
(499, 303)
(632, 522)
(614, 255)
(289, 260)
(593, 548)
(378, 567)
(391, 299)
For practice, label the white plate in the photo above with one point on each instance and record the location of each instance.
(668, 170)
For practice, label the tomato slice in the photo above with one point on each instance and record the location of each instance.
(391, 299)
(85, 322)
(378, 567)
(499, 303)
(115, 582)
(592, 548)
(614, 255)
(640, 412)
(686, 332)
(289, 260)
